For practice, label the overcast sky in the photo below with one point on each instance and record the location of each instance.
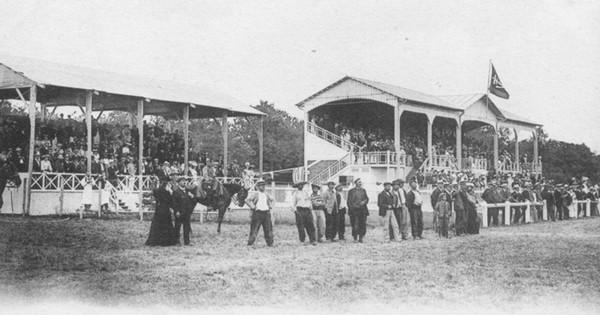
(547, 53)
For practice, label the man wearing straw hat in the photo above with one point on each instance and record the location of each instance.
(358, 211)
(301, 206)
(331, 212)
(260, 204)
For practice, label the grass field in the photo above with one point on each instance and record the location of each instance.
(99, 265)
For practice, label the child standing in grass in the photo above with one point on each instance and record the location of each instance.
(443, 213)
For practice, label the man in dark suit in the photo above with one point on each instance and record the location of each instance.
(491, 198)
(517, 197)
(358, 211)
(414, 200)
(435, 194)
(183, 206)
(559, 202)
(385, 202)
(548, 195)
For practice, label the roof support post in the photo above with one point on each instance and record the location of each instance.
(535, 147)
(430, 136)
(517, 160)
(459, 144)
(224, 130)
(32, 101)
(186, 140)
(140, 127)
(397, 114)
(305, 144)
(88, 123)
(260, 145)
(496, 155)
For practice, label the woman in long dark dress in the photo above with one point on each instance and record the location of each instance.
(471, 211)
(161, 229)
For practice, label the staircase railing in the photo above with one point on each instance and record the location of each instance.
(333, 169)
(331, 137)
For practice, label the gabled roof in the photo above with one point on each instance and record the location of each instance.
(464, 101)
(18, 71)
(394, 90)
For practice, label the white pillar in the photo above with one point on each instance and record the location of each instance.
(496, 155)
(140, 126)
(305, 132)
(429, 136)
(186, 138)
(517, 160)
(224, 130)
(261, 143)
(535, 147)
(88, 122)
(397, 126)
(32, 102)
(459, 144)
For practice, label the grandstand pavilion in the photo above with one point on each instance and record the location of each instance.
(53, 85)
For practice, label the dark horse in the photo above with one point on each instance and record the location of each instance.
(8, 172)
(217, 201)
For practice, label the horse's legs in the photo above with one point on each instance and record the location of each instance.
(221, 215)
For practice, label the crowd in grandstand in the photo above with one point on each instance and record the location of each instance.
(60, 147)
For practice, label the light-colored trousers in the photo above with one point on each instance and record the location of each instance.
(319, 220)
(386, 221)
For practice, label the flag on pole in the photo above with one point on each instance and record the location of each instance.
(496, 87)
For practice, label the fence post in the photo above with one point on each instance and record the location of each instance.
(506, 213)
(528, 212)
(484, 214)
(61, 197)
(544, 210)
(588, 208)
(140, 197)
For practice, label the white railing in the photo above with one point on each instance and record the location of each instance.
(127, 183)
(331, 137)
(379, 158)
(475, 165)
(507, 210)
(333, 169)
(508, 167)
(535, 168)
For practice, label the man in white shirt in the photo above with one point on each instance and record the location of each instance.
(400, 210)
(301, 206)
(261, 204)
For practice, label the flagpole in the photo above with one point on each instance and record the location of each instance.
(487, 90)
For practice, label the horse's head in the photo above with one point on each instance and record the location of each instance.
(241, 196)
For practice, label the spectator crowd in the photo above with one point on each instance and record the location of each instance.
(60, 147)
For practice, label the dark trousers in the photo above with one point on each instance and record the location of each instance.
(261, 218)
(416, 221)
(341, 224)
(359, 226)
(183, 219)
(492, 217)
(304, 221)
(551, 211)
(331, 222)
(352, 223)
(559, 211)
(566, 212)
(518, 213)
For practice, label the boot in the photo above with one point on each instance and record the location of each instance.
(360, 239)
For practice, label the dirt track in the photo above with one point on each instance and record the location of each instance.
(549, 266)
